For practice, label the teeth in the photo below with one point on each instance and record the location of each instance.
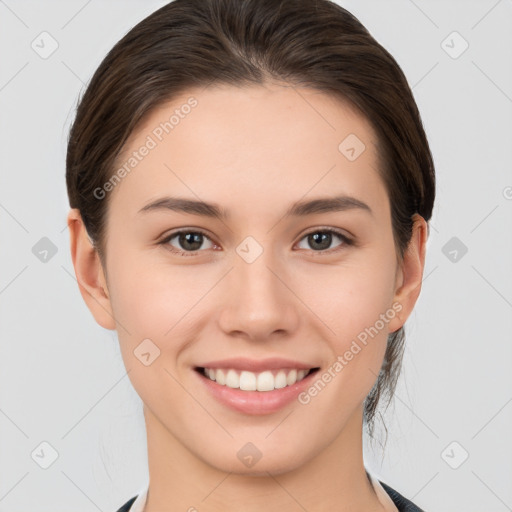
(265, 381)
(250, 381)
(247, 381)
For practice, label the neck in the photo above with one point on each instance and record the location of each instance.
(335, 479)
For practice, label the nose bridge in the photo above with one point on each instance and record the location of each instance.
(259, 303)
(258, 282)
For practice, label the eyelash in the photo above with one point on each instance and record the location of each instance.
(346, 241)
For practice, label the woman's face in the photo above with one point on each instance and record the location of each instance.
(254, 278)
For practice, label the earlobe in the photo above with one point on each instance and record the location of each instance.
(410, 273)
(89, 272)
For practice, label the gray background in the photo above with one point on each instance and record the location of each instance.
(62, 380)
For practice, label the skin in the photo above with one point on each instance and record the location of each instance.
(254, 151)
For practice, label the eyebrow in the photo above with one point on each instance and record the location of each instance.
(302, 208)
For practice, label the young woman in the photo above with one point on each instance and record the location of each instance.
(250, 186)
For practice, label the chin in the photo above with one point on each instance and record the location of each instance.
(277, 464)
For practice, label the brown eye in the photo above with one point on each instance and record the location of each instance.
(321, 239)
(186, 242)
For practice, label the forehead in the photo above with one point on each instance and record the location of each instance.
(250, 143)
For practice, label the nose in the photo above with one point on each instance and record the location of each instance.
(259, 302)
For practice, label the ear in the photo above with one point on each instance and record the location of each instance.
(410, 273)
(89, 272)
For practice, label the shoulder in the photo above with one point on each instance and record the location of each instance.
(402, 503)
(126, 507)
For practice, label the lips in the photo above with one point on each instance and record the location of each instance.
(257, 365)
(256, 386)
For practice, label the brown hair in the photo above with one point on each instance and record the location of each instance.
(307, 43)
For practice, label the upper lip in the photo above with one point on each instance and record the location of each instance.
(257, 365)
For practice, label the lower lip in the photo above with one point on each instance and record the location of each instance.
(255, 402)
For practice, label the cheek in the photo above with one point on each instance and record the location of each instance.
(153, 299)
(356, 308)
(353, 305)
(350, 297)
(158, 303)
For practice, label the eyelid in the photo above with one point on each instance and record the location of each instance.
(347, 240)
(328, 229)
(165, 240)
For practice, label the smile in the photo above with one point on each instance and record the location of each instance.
(267, 380)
